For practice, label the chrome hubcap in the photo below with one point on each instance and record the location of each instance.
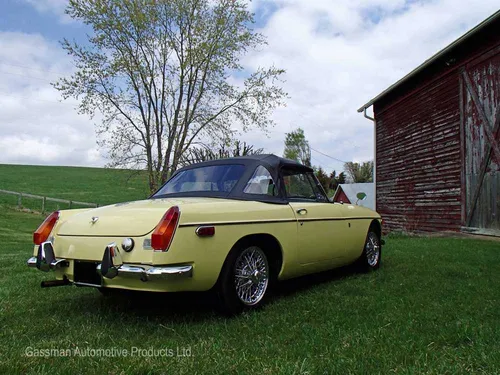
(372, 249)
(251, 275)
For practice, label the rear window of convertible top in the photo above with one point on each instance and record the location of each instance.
(213, 178)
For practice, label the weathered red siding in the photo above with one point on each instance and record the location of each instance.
(481, 117)
(418, 159)
(341, 197)
(423, 133)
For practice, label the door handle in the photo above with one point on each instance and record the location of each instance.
(302, 211)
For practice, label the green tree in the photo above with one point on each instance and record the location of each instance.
(335, 181)
(341, 179)
(158, 74)
(297, 147)
(359, 172)
(322, 178)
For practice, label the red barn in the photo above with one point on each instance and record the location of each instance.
(437, 139)
(340, 196)
(348, 193)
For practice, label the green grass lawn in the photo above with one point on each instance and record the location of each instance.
(93, 185)
(432, 308)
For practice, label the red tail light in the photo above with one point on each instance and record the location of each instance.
(43, 231)
(205, 231)
(164, 231)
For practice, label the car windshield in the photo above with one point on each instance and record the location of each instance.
(214, 178)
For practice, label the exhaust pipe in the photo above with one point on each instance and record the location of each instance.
(51, 283)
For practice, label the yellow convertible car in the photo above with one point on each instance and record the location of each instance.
(233, 225)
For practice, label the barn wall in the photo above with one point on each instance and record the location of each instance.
(341, 197)
(426, 133)
(419, 159)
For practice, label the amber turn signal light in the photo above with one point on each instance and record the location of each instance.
(165, 230)
(43, 231)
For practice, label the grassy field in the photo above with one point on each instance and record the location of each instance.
(432, 308)
(94, 185)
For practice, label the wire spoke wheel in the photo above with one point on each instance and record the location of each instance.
(372, 249)
(251, 275)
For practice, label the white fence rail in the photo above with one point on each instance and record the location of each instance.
(44, 200)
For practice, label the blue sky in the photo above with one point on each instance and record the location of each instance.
(23, 16)
(338, 54)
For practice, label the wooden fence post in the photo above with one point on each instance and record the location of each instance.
(45, 200)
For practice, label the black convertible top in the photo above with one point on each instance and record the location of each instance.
(271, 162)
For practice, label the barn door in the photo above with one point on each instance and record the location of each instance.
(481, 120)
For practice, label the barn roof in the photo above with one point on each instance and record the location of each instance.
(351, 190)
(437, 56)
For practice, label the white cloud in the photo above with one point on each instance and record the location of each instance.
(339, 54)
(35, 126)
(56, 7)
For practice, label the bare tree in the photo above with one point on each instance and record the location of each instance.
(223, 150)
(161, 74)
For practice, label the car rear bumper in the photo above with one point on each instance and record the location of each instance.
(138, 272)
(110, 267)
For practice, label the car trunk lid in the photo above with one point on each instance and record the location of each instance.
(132, 219)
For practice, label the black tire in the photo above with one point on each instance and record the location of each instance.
(372, 252)
(241, 287)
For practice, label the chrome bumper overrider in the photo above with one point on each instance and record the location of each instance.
(111, 265)
(45, 259)
(58, 263)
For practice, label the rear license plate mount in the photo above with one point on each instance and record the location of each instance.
(85, 274)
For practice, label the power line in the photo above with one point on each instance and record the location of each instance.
(322, 164)
(35, 69)
(328, 156)
(26, 76)
(43, 100)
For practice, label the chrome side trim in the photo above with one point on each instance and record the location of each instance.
(276, 221)
(153, 273)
